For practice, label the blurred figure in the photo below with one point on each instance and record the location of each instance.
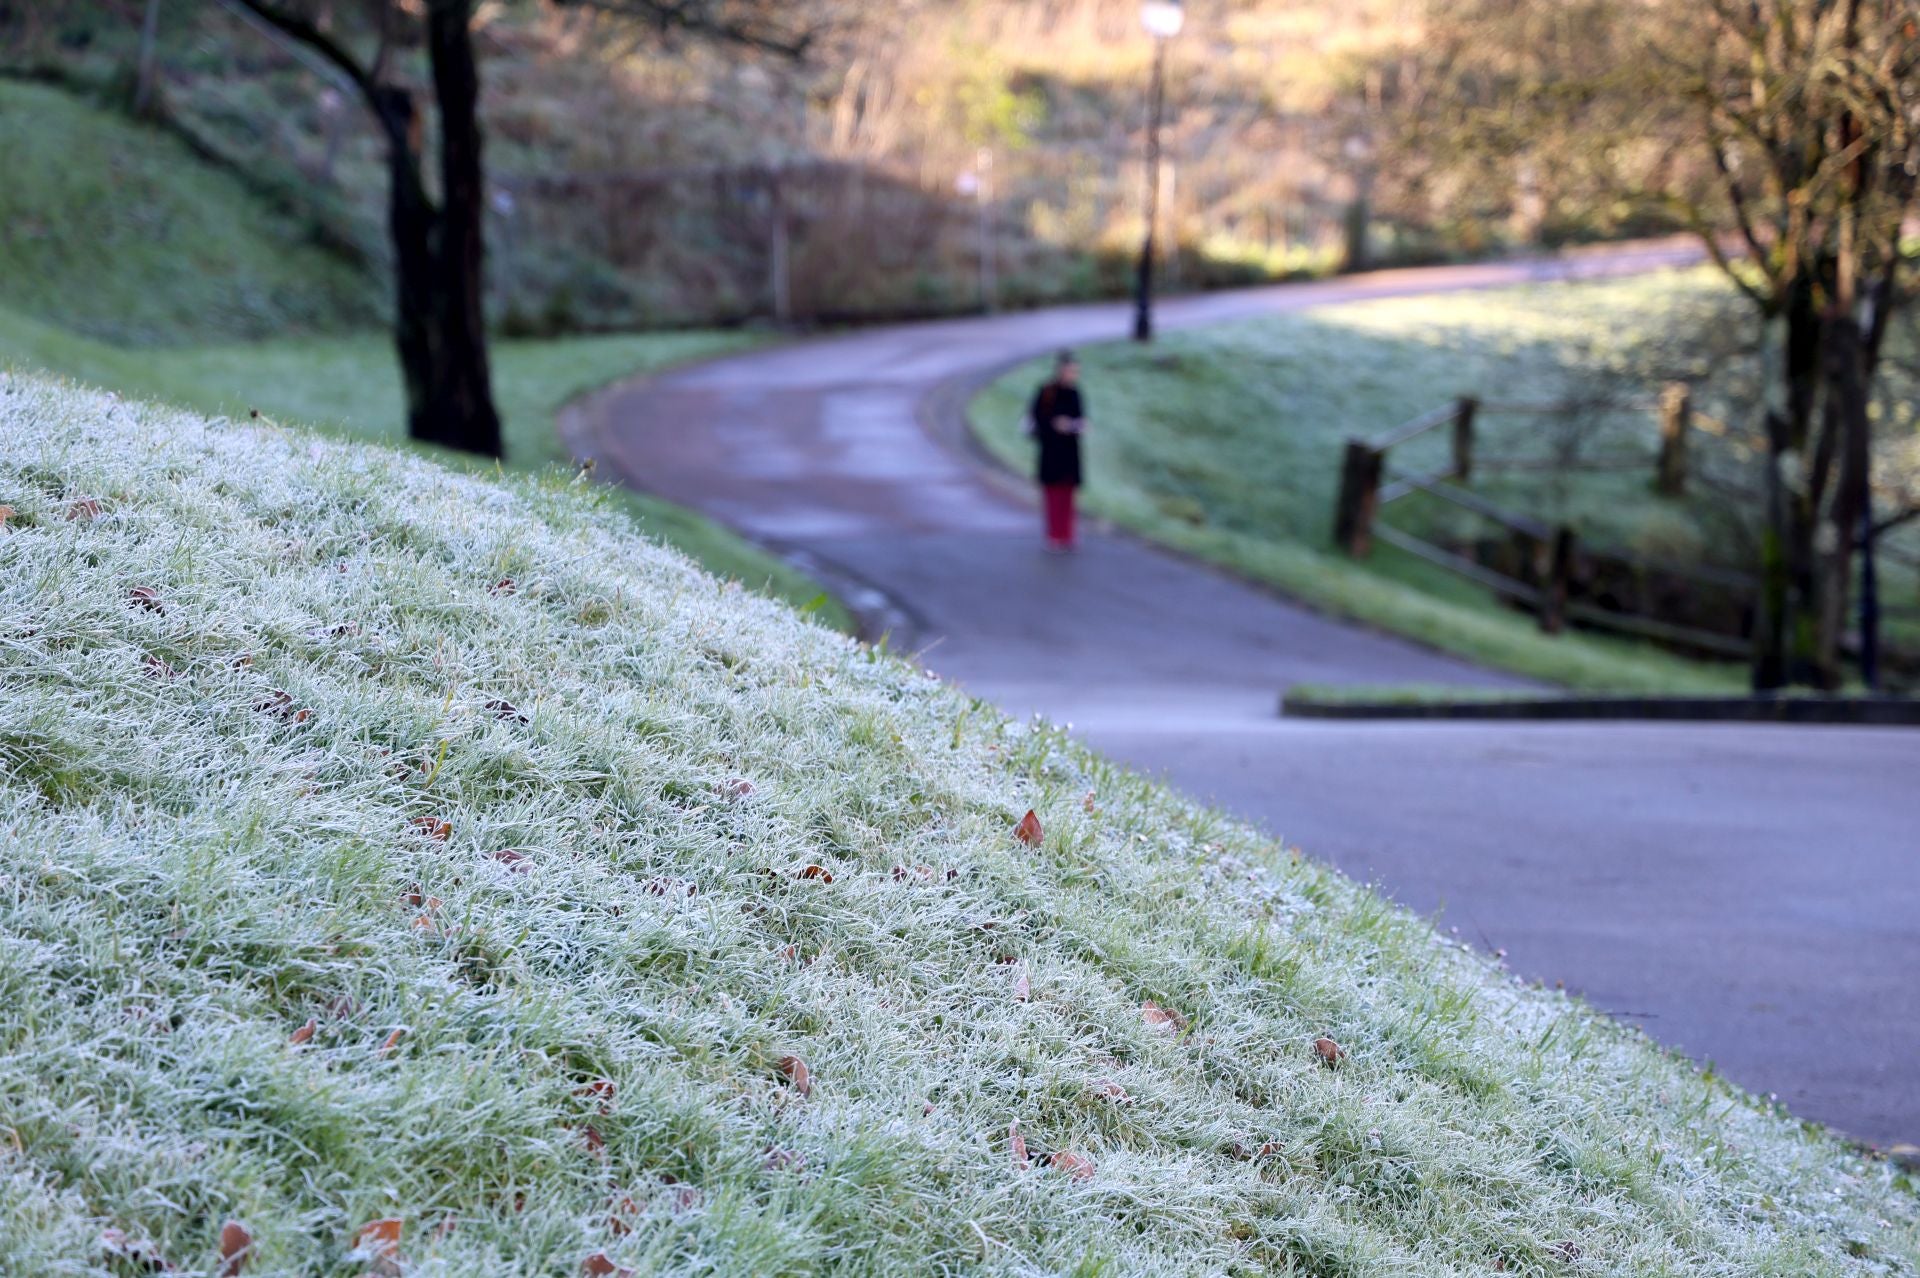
(1056, 421)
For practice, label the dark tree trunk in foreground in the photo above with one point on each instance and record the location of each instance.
(438, 250)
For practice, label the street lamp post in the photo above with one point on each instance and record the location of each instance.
(1162, 20)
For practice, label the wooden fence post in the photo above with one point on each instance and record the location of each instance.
(1676, 419)
(1463, 438)
(1553, 594)
(1359, 498)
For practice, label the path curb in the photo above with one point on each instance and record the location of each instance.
(1886, 712)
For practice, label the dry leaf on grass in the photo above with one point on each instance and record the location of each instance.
(506, 710)
(735, 788)
(1078, 1166)
(1107, 1089)
(305, 1033)
(517, 861)
(379, 1240)
(798, 1074)
(392, 1041)
(599, 1266)
(1028, 831)
(1022, 988)
(236, 1249)
(142, 1253)
(1330, 1052)
(504, 586)
(600, 1091)
(591, 1138)
(433, 828)
(1162, 1018)
(83, 509)
(814, 872)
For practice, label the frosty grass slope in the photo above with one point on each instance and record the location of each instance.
(384, 843)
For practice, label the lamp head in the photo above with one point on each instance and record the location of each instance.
(1162, 18)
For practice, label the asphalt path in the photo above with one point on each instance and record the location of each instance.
(1750, 894)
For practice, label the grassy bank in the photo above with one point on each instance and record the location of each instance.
(1226, 443)
(384, 842)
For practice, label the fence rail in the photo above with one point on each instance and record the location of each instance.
(1556, 553)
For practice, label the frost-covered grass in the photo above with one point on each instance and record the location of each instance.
(245, 676)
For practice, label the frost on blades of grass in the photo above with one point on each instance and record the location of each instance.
(423, 848)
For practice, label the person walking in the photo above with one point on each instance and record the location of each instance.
(1056, 421)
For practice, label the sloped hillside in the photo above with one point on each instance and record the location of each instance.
(116, 230)
(418, 873)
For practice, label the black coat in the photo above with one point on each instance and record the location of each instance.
(1059, 460)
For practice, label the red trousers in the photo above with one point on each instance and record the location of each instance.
(1059, 501)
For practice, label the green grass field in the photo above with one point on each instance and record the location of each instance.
(128, 263)
(385, 842)
(1226, 443)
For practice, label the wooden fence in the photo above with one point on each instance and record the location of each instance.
(1552, 574)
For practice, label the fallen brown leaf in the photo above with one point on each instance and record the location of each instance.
(378, 1238)
(590, 1137)
(784, 1160)
(504, 586)
(735, 787)
(392, 1041)
(517, 861)
(798, 1074)
(236, 1249)
(1028, 831)
(1162, 1018)
(1328, 1050)
(815, 872)
(1078, 1166)
(142, 1252)
(305, 1033)
(6, 513)
(433, 828)
(1086, 804)
(506, 710)
(1107, 1089)
(618, 1209)
(84, 508)
(1018, 1145)
(600, 1091)
(598, 1266)
(155, 668)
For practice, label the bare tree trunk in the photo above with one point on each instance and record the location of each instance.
(146, 67)
(460, 413)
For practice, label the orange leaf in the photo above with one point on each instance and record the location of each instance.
(1162, 1018)
(514, 860)
(392, 1041)
(84, 508)
(236, 1248)
(1078, 1166)
(1018, 1144)
(618, 1209)
(1028, 831)
(1107, 1089)
(600, 1090)
(304, 1033)
(598, 1266)
(378, 1237)
(1330, 1051)
(434, 828)
(815, 872)
(736, 787)
(6, 513)
(590, 1137)
(798, 1074)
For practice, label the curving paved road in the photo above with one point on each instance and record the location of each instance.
(1748, 894)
